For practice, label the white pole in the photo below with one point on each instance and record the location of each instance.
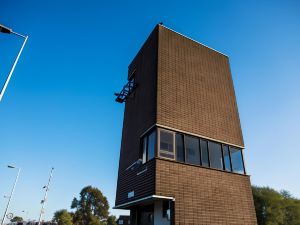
(45, 197)
(14, 65)
(11, 194)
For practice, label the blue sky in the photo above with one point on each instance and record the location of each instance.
(59, 107)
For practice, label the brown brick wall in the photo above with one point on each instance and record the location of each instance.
(205, 196)
(195, 90)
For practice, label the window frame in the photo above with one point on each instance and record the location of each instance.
(207, 151)
(185, 152)
(229, 155)
(158, 144)
(222, 161)
(144, 141)
(146, 135)
(242, 158)
(183, 147)
(158, 153)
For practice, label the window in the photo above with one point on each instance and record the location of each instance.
(237, 160)
(151, 145)
(226, 156)
(204, 153)
(145, 149)
(148, 146)
(179, 148)
(166, 145)
(215, 155)
(192, 150)
(120, 222)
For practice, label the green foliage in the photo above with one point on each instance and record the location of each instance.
(111, 220)
(63, 217)
(91, 208)
(275, 208)
(17, 219)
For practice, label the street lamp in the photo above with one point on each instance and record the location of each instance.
(12, 191)
(7, 30)
(46, 187)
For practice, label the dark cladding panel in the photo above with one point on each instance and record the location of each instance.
(139, 115)
(138, 183)
(140, 108)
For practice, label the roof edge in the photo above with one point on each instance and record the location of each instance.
(193, 40)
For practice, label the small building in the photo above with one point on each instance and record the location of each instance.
(181, 158)
(123, 220)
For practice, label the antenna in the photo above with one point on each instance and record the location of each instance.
(45, 197)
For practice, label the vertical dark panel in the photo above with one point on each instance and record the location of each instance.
(139, 115)
(226, 155)
(215, 155)
(204, 153)
(180, 155)
(192, 153)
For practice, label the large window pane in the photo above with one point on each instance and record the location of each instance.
(166, 141)
(204, 153)
(192, 150)
(226, 158)
(151, 145)
(166, 145)
(179, 148)
(215, 155)
(237, 160)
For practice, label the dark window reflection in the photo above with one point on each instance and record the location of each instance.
(226, 158)
(151, 145)
(215, 155)
(204, 153)
(192, 150)
(166, 141)
(237, 160)
(179, 148)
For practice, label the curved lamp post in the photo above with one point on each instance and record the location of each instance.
(12, 191)
(7, 30)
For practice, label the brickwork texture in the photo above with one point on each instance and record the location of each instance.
(195, 90)
(205, 196)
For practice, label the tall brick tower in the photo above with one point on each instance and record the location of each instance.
(181, 159)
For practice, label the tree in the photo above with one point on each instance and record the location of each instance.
(63, 217)
(111, 220)
(16, 219)
(91, 208)
(275, 208)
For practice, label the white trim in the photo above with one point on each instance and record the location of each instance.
(143, 171)
(143, 199)
(136, 162)
(193, 40)
(197, 135)
(163, 197)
